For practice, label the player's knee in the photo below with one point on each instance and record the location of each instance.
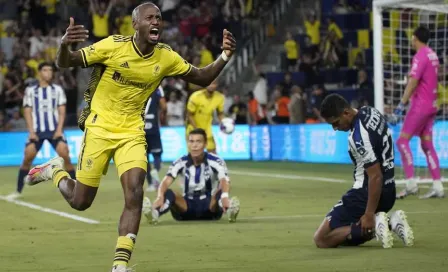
(80, 205)
(426, 146)
(319, 240)
(134, 197)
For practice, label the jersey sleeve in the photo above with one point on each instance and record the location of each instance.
(364, 146)
(62, 99)
(179, 66)
(418, 67)
(220, 168)
(176, 168)
(98, 52)
(28, 98)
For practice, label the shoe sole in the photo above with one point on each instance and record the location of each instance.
(234, 206)
(403, 230)
(387, 240)
(147, 211)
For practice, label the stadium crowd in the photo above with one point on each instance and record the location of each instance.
(30, 31)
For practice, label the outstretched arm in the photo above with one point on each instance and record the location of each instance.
(74, 34)
(205, 76)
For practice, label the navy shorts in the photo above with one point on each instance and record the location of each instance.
(46, 136)
(199, 209)
(154, 143)
(353, 205)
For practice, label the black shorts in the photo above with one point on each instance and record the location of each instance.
(198, 209)
(46, 136)
(353, 205)
(154, 143)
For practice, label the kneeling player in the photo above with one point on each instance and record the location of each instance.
(361, 214)
(203, 198)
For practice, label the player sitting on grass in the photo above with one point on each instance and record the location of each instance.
(202, 199)
(361, 213)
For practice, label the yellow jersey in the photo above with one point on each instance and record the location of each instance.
(291, 49)
(202, 107)
(313, 30)
(121, 83)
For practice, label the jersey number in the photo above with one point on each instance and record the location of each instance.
(388, 155)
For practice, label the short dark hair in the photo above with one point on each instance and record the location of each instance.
(198, 131)
(44, 64)
(333, 106)
(422, 34)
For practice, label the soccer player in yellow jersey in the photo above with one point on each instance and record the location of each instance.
(200, 108)
(126, 70)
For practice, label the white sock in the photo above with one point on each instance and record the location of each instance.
(437, 185)
(411, 183)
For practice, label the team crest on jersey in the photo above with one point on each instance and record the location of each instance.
(360, 148)
(91, 50)
(89, 164)
(156, 71)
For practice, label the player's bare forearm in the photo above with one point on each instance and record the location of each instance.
(166, 183)
(412, 84)
(375, 188)
(220, 116)
(66, 58)
(224, 185)
(27, 113)
(61, 121)
(205, 76)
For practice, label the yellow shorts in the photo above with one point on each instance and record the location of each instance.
(211, 145)
(96, 153)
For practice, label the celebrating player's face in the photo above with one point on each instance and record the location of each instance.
(46, 73)
(196, 145)
(149, 23)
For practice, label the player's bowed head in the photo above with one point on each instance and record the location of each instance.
(337, 112)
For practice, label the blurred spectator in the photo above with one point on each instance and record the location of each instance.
(317, 96)
(287, 82)
(256, 114)
(333, 27)
(261, 87)
(7, 41)
(238, 111)
(3, 125)
(206, 56)
(292, 52)
(281, 107)
(365, 92)
(37, 43)
(341, 7)
(228, 100)
(308, 68)
(297, 106)
(100, 10)
(312, 50)
(12, 94)
(331, 50)
(17, 122)
(175, 110)
(312, 26)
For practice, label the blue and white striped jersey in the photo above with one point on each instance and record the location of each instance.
(370, 142)
(44, 102)
(202, 180)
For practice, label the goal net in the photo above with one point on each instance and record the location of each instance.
(393, 24)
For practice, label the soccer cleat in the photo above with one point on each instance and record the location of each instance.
(401, 228)
(234, 209)
(407, 192)
(382, 231)
(43, 172)
(151, 215)
(433, 193)
(122, 268)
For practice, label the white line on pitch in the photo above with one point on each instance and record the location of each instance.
(272, 175)
(48, 210)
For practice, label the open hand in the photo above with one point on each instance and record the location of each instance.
(158, 203)
(74, 33)
(228, 43)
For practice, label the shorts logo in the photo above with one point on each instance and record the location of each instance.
(156, 71)
(89, 164)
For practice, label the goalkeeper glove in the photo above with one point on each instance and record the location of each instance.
(399, 110)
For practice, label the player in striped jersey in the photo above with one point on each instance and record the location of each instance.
(361, 214)
(205, 191)
(44, 111)
(155, 111)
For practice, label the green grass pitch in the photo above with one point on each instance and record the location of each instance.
(282, 204)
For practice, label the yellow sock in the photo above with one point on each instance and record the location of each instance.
(58, 174)
(123, 251)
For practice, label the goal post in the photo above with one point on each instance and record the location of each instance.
(393, 24)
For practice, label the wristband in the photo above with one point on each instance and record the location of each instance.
(224, 195)
(224, 56)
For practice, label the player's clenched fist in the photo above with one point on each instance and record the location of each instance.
(74, 33)
(228, 43)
